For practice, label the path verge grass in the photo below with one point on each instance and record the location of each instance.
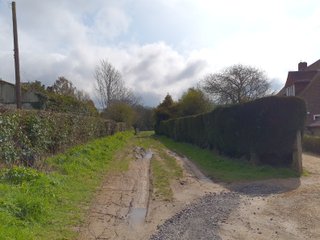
(222, 168)
(50, 205)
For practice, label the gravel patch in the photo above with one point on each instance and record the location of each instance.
(199, 220)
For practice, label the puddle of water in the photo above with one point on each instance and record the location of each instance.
(137, 216)
(148, 155)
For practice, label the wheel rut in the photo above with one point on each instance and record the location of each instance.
(125, 206)
(121, 203)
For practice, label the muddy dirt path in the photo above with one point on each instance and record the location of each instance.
(125, 208)
(121, 203)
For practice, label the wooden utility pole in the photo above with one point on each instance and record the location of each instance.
(16, 56)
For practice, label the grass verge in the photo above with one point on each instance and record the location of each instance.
(160, 181)
(222, 168)
(38, 205)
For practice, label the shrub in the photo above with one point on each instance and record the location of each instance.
(266, 127)
(17, 175)
(311, 144)
(28, 136)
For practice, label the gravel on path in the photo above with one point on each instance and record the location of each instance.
(199, 220)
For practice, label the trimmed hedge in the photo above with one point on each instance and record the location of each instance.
(311, 144)
(28, 136)
(266, 127)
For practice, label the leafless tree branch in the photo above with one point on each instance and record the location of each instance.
(110, 86)
(236, 84)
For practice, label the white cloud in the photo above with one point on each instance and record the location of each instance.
(159, 69)
(160, 46)
(109, 23)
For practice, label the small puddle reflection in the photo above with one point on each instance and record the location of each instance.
(148, 155)
(137, 216)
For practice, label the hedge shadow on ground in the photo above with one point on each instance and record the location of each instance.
(265, 187)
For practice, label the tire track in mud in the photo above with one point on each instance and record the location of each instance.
(123, 208)
(121, 203)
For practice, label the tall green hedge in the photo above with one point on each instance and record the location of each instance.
(28, 136)
(266, 127)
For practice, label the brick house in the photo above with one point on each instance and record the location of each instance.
(29, 99)
(305, 83)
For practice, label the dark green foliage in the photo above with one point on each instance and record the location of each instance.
(69, 104)
(311, 144)
(28, 136)
(193, 102)
(61, 97)
(36, 86)
(266, 127)
(120, 112)
(165, 110)
(144, 120)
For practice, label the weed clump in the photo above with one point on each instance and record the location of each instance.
(18, 175)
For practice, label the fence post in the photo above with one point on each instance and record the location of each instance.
(297, 154)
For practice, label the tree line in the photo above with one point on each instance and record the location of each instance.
(62, 96)
(234, 84)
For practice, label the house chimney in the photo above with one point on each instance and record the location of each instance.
(302, 66)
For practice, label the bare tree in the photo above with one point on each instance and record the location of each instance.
(110, 86)
(63, 86)
(236, 84)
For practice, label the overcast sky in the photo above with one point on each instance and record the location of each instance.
(159, 46)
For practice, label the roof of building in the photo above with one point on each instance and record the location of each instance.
(305, 77)
(4, 82)
(300, 76)
(314, 81)
(314, 66)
